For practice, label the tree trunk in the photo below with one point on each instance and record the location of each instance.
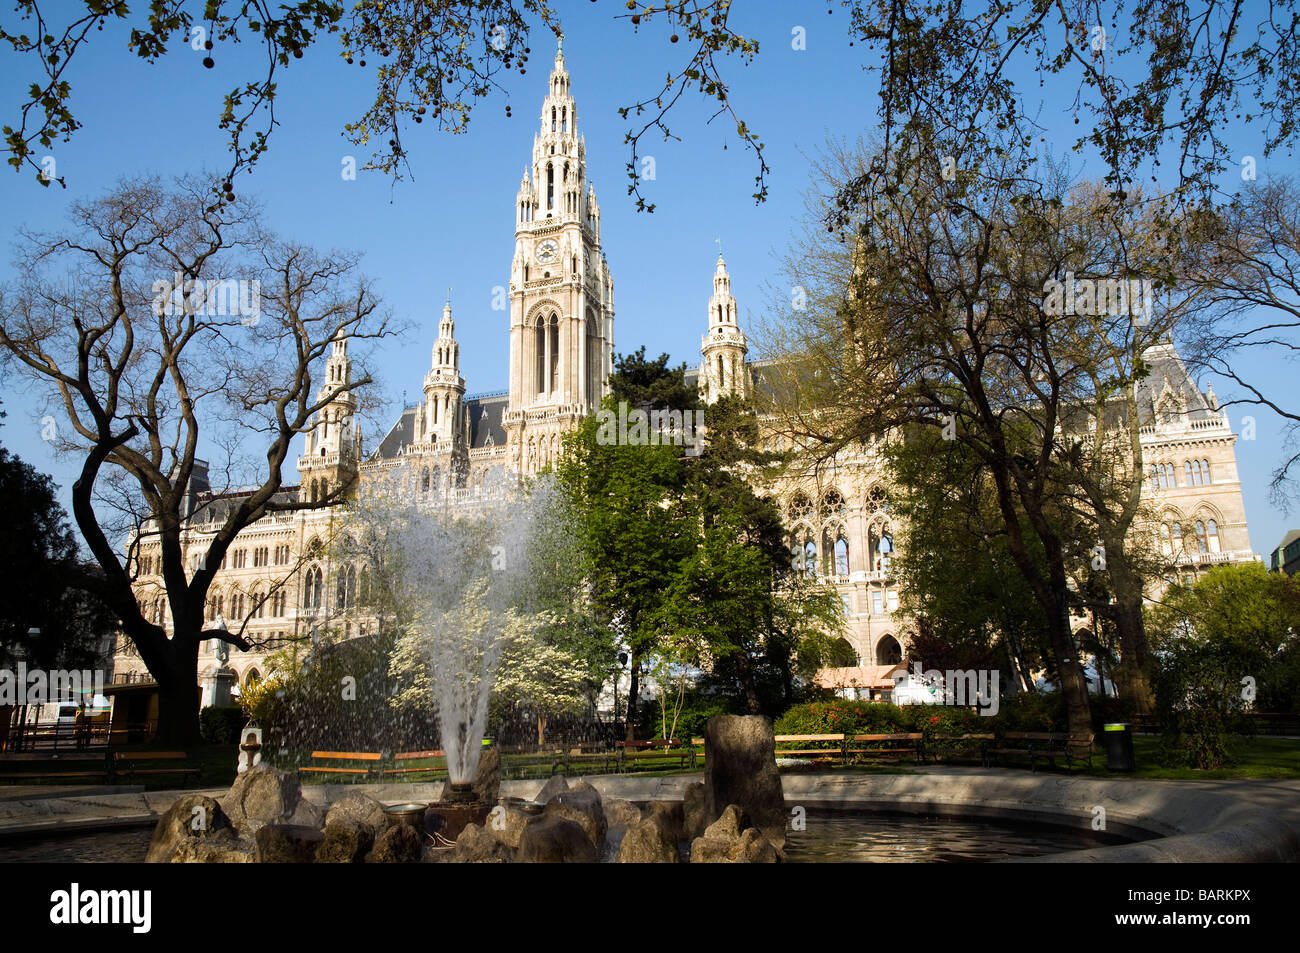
(632, 690)
(178, 710)
(747, 683)
(1134, 675)
(179, 694)
(541, 730)
(1073, 685)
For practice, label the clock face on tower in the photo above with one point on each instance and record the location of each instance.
(547, 252)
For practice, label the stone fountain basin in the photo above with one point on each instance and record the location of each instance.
(1187, 821)
(1190, 821)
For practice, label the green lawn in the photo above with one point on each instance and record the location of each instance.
(1260, 757)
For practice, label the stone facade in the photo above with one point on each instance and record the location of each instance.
(280, 582)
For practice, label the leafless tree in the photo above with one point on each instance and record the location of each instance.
(126, 322)
(1245, 260)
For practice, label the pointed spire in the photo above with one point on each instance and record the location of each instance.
(721, 279)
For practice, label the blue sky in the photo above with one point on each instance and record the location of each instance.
(452, 223)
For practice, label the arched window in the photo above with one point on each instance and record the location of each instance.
(885, 550)
(809, 558)
(1178, 538)
(888, 651)
(800, 506)
(363, 591)
(832, 504)
(540, 348)
(878, 500)
(1205, 472)
(1212, 536)
(437, 479)
(1202, 544)
(1166, 544)
(346, 589)
(256, 601)
(841, 555)
(424, 480)
(237, 605)
(1191, 474)
(313, 588)
(593, 361)
(555, 354)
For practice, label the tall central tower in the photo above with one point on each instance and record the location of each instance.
(561, 291)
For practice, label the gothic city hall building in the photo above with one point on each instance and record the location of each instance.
(280, 583)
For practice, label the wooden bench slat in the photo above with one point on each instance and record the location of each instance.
(335, 770)
(348, 755)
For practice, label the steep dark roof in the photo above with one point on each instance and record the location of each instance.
(485, 415)
(1288, 539)
(401, 435)
(1169, 380)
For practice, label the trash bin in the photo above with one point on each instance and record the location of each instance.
(1118, 739)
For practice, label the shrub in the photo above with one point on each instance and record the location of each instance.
(1198, 695)
(1024, 712)
(220, 726)
(1030, 711)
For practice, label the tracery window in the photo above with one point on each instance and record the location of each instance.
(878, 500)
(313, 588)
(800, 506)
(833, 504)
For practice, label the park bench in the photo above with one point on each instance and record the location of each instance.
(653, 749)
(1275, 723)
(823, 754)
(43, 767)
(961, 746)
(589, 754)
(886, 745)
(520, 760)
(1041, 745)
(404, 763)
(135, 764)
(364, 763)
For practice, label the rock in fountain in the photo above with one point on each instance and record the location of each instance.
(741, 770)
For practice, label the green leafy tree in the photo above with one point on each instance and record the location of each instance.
(957, 578)
(1217, 641)
(634, 532)
(39, 558)
(541, 677)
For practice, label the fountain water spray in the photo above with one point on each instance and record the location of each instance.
(461, 568)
